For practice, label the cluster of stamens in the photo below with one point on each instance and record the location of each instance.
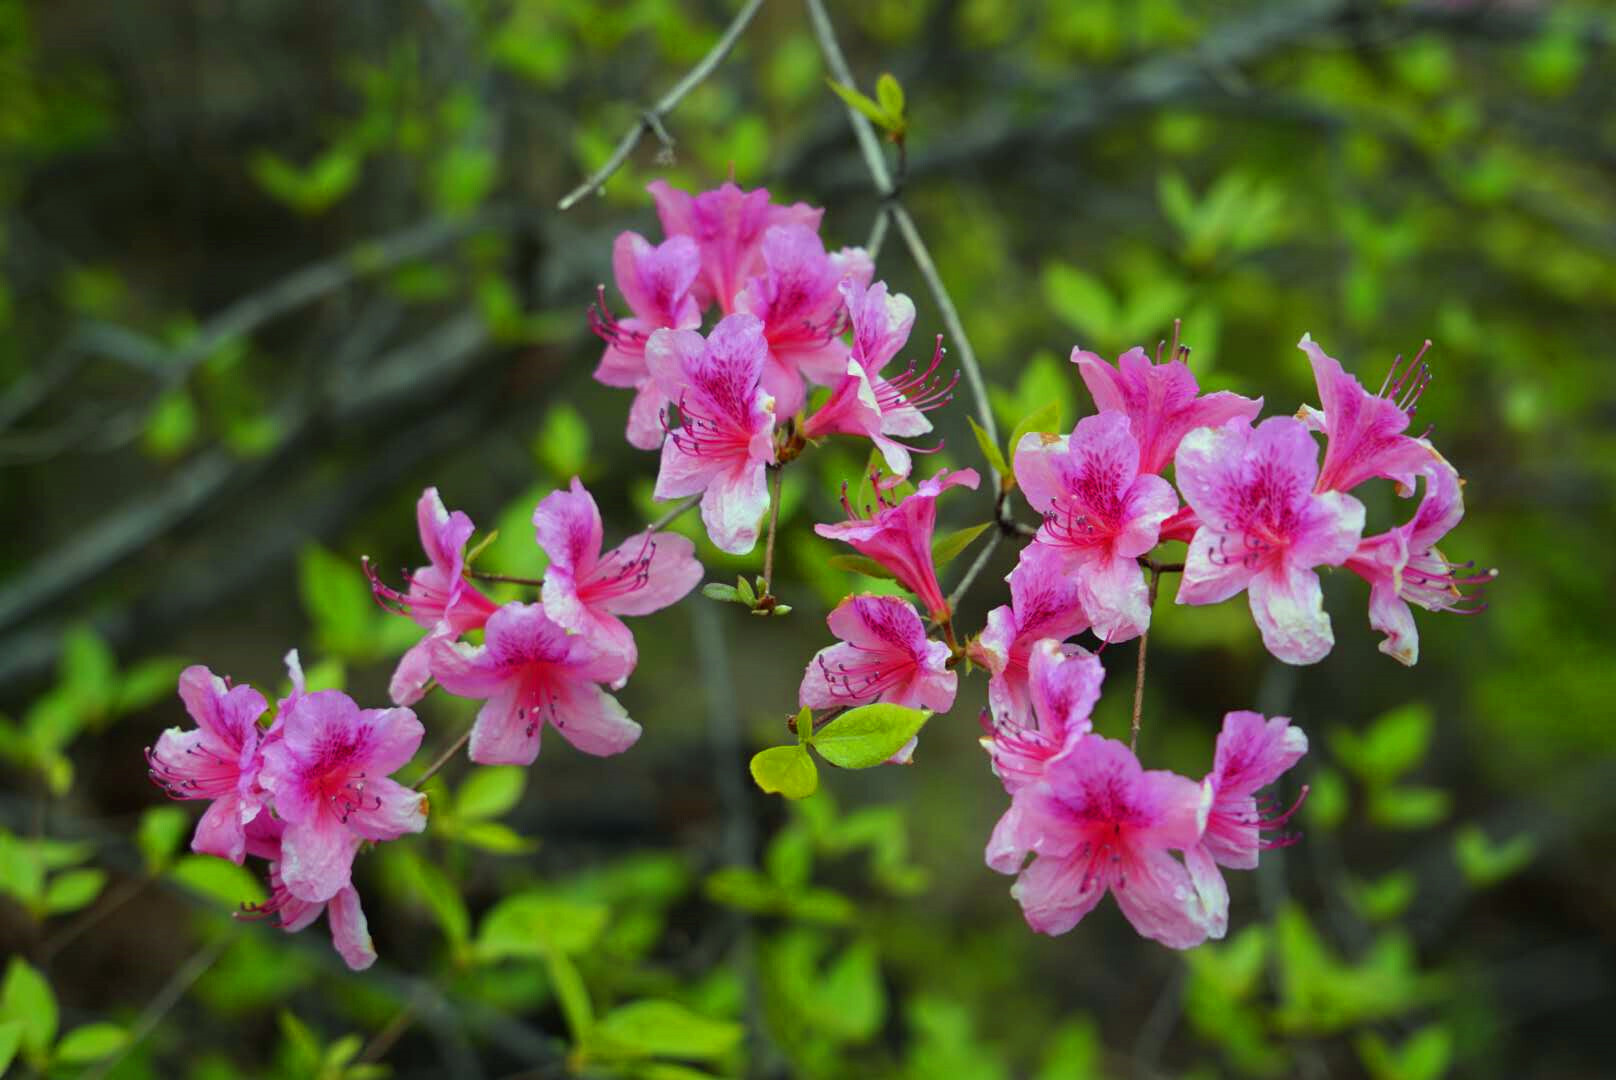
(698, 435)
(607, 327)
(922, 390)
(860, 682)
(1405, 382)
(608, 581)
(177, 784)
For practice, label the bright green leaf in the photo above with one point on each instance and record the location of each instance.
(10, 1042)
(1408, 807)
(27, 998)
(786, 770)
(646, 1029)
(73, 890)
(889, 93)
(562, 445)
(490, 792)
(873, 112)
(945, 549)
(1080, 299)
(91, 1042)
(534, 924)
(497, 839)
(860, 564)
(994, 456)
(868, 735)
(1394, 743)
(220, 880)
(159, 834)
(1484, 863)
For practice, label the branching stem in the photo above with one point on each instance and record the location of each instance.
(1139, 675)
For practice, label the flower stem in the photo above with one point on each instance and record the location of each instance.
(774, 523)
(673, 515)
(443, 759)
(507, 579)
(1139, 675)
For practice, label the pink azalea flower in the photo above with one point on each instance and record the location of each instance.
(899, 537)
(1403, 565)
(219, 760)
(725, 438)
(1100, 515)
(350, 931)
(438, 598)
(585, 593)
(1045, 602)
(728, 224)
(530, 672)
(801, 307)
(329, 774)
(864, 403)
(1097, 822)
(1162, 401)
(1063, 683)
(1252, 752)
(1264, 529)
(656, 282)
(1363, 431)
(884, 656)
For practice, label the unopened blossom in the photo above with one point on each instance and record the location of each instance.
(899, 537)
(1063, 683)
(884, 655)
(1097, 822)
(798, 299)
(1363, 431)
(437, 597)
(864, 402)
(1163, 402)
(1252, 752)
(1100, 514)
(219, 760)
(1264, 529)
(329, 773)
(656, 281)
(350, 931)
(1045, 602)
(1403, 565)
(725, 438)
(530, 672)
(728, 225)
(585, 592)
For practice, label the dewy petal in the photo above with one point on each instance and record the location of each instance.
(732, 506)
(881, 322)
(220, 830)
(670, 573)
(1211, 574)
(350, 931)
(1288, 606)
(1115, 597)
(317, 857)
(414, 670)
(645, 429)
(1065, 684)
(1158, 897)
(1041, 464)
(568, 529)
(392, 736)
(673, 357)
(1055, 894)
(387, 810)
(592, 720)
(683, 473)
(228, 714)
(500, 736)
(1210, 889)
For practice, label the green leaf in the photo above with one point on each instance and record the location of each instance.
(73, 890)
(1425, 1055)
(743, 589)
(1408, 807)
(535, 924)
(994, 456)
(91, 1042)
(789, 858)
(147, 683)
(856, 100)
(339, 601)
(861, 564)
(26, 998)
(1395, 743)
(1074, 1052)
(576, 1008)
(497, 839)
(868, 735)
(786, 770)
(89, 670)
(441, 896)
(854, 983)
(10, 1041)
(889, 93)
(1044, 421)
(1386, 899)
(654, 1028)
(172, 425)
(945, 549)
(1484, 863)
(562, 445)
(22, 872)
(1079, 299)
(1326, 806)
(728, 594)
(219, 880)
(490, 792)
(342, 1051)
(305, 1045)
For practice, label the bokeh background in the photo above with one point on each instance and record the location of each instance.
(270, 268)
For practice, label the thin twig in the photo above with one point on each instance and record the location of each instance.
(443, 759)
(1139, 675)
(651, 119)
(384, 1040)
(117, 898)
(168, 997)
(673, 515)
(977, 566)
(505, 579)
(774, 526)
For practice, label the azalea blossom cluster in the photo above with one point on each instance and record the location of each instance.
(302, 788)
(1158, 462)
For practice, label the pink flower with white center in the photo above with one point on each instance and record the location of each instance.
(1063, 683)
(1363, 431)
(438, 597)
(884, 655)
(899, 537)
(1100, 514)
(864, 403)
(1264, 529)
(728, 225)
(1252, 753)
(1097, 822)
(584, 593)
(1045, 602)
(1163, 402)
(531, 672)
(350, 931)
(1403, 566)
(798, 299)
(725, 438)
(656, 282)
(218, 760)
(329, 775)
